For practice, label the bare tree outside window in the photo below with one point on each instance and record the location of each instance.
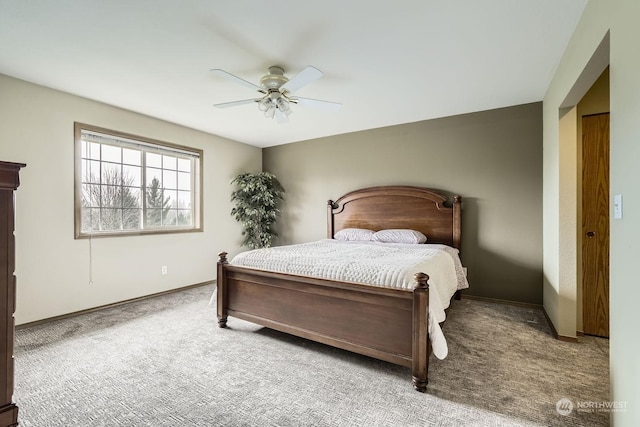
(111, 205)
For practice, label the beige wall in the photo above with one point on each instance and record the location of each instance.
(493, 159)
(618, 19)
(36, 128)
(625, 176)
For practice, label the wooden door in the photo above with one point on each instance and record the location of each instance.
(595, 224)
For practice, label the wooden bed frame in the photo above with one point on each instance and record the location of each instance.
(387, 324)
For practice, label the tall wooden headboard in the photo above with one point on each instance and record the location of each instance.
(397, 206)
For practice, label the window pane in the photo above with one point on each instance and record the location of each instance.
(131, 219)
(131, 175)
(156, 198)
(90, 195)
(110, 219)
(111, 174)
(95, 219)
(171, 198)
(94, 171)
(169, 162)
(94, 151)
(154, 217)
(111, 196)
(111, 154)
(184, 181)
(84, 167)
(169, 179)
(90, 219)
(154, 160)
(169, 217)
(184, 217)
(184, 199)
(184, 165)
(131, 197)
(131, 157)
(83, 149)
(152, 174)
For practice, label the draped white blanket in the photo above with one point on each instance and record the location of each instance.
(378, 264)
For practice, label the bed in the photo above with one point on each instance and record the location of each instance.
(385, 323)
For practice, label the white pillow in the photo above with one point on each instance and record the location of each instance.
(353, 234)
(399, 235)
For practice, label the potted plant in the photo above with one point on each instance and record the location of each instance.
(257, 200)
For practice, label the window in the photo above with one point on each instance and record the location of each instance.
(126, 184)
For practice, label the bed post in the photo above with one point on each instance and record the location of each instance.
(457, 204)
(222, 291)
(331, 205)
(420, 356)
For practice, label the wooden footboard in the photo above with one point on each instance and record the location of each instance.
(387, 324)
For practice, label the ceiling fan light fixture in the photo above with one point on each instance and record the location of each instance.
(270, 111)
(276, 90)
(283, 104)
(264, 104)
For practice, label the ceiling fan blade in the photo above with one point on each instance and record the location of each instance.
(231, 77)
(234, 103)
(303, 78)
(280, 117)
(317, 103)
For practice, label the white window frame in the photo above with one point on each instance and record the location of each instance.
(132, 143)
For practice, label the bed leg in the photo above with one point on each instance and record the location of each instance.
(222, 291)
(420, 356)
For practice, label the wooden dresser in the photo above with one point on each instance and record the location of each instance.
(9, 182)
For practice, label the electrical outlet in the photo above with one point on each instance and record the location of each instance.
(164, 270)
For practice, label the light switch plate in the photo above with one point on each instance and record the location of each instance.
(617, 206)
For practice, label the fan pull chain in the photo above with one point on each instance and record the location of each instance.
(90, 259)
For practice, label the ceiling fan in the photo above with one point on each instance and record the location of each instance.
(276, 92)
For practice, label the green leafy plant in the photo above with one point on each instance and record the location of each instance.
(257, 200)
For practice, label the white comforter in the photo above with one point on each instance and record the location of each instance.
(379, 264)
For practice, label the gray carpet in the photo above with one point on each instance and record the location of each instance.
(164, 362)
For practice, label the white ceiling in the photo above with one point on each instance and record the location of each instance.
(388, 63)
